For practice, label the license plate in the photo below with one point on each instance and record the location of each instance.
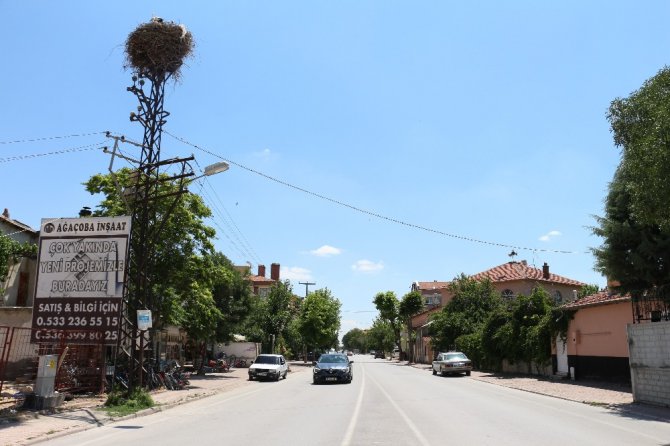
(262, 374)
(331, 378)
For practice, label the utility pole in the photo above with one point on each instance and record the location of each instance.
(307, 284)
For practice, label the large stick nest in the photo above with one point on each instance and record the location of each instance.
(158, 48)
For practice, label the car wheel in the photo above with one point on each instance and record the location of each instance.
(251, 378)
(443, 373)
(285, 374)
(467, 373)
(434, 372)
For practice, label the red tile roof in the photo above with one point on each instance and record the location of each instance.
(434, 285)
(261, 280)
(512, 271)
(600, 298)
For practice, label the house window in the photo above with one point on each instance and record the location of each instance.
(263, 292)
(558, 297)
(508, 294)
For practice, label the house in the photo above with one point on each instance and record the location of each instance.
(597, 342)
(260, 284)
(510, 279)
(18, 288)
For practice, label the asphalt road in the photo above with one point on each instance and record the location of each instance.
(387, 404)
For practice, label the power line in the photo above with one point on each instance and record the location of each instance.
(48, 138)
(57, 152)
(364, 211)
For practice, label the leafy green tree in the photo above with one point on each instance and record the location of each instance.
(381, 336)
(180, 238)
(466, 313)
(410, 305)
(11, 251)
(355, 339)
(635, 254)
(523, 331)
(320, 319)
(232, 296)
(587, 290)
(273, 314)
(389, 311)
(641, 124)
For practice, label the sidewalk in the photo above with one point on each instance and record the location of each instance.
(85, 413)
(612, 396)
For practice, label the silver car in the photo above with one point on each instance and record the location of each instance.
(452, 362)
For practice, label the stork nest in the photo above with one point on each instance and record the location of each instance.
(158, 48)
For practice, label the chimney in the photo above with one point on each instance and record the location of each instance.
(545, 271)
(6, 213)
(261, 270)
(274, 271)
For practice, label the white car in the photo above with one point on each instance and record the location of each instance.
(268, 366)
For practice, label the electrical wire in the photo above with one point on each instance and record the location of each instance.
(244, 247)
(365, 211)
(48, 138)
(85, 148)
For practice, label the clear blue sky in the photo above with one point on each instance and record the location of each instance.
(485, 121)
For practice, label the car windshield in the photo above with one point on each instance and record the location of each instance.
(456, 356)
(267, 360)
(330, 359)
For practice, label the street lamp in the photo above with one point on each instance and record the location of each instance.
(213, 169)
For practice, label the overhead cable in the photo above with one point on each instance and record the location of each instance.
(364, 211)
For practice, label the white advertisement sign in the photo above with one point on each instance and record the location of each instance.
(80, 278)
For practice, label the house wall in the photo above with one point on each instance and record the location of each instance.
(600, 330)
(13, 286)
(649, 346)
(16, 317)
(598, 342)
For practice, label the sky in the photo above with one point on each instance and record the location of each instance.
(372, 143)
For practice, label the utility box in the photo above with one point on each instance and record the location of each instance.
(46, 375)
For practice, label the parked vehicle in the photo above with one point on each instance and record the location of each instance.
(333, 368)
(271, 367)
(380, 354)
(452, 362)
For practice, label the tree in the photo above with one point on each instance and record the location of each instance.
(274, 314)
(635, 254)
(184, 239)
(232, 296)
(587, 290)
(11, 251)
(466, 313)
(388, 306)
(320, 319)
(523, 331)
(411, 304)
(381, 336)
(355, 339)
(640, 124)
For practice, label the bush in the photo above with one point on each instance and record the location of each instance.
(125, 403)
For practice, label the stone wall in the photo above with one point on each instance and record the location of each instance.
(649, 348)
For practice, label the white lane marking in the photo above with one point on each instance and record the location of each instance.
(354, 417)
(410, 424)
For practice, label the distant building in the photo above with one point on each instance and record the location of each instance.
(260, 284)
(510, 279)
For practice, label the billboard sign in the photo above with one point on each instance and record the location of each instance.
(80, 279)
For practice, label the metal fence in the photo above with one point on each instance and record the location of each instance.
(81, 368)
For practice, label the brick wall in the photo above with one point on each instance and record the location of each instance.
(649, 348)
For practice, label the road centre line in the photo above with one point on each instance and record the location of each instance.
(354, 417)
(419, 436)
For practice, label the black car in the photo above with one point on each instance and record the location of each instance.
(333, 367)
